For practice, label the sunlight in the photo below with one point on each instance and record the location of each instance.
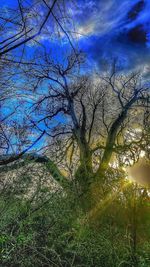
(104, 204)
(140, 171)
(74, 133)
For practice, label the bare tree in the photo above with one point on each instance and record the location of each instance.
(87, 121)
(26, 22)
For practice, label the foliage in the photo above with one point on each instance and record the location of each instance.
(54, 231)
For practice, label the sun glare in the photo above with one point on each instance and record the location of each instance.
(140, 171)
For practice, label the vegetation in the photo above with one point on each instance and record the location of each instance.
(49, 228)
(67, 139)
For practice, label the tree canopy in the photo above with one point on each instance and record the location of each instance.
(69, 133)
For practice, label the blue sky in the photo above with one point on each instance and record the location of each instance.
(107, 29)
(104, 30)
(115, 28)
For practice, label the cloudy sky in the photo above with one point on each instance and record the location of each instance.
(106, 29)
(103, 29)
(114, 29)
